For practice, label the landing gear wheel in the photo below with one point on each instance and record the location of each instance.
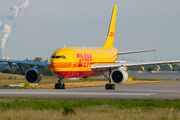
(56, 86)
(110, 86)
(59, 86)
(107, 86)
(63, 86)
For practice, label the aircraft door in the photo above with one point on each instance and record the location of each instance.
(74, 60)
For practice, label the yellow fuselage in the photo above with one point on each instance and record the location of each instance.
(76, 62)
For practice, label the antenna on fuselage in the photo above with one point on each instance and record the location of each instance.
(64, 45)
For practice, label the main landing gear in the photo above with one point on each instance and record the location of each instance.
(109, 86)
(60, 84)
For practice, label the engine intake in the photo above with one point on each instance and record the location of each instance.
(118, 76)
(33, 75)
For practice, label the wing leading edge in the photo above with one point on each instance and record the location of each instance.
(100, 67)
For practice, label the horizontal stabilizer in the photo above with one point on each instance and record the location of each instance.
(139, 51)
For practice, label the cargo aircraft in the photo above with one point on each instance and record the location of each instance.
(73, 62)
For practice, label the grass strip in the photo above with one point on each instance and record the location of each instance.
(96, 109)
(57, 104)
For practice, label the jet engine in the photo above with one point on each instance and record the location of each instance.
(118, 76)
(33, 75)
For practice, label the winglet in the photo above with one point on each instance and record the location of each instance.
(110, 36)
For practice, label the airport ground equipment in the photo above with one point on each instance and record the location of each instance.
(24, 85)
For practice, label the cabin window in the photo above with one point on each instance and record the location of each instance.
(58, 56)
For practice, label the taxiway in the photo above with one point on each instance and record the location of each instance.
(164, 90)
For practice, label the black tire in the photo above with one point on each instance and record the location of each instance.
(59, 86)
(112, 86)
(56, 86)
(107, 86)
(63, 86)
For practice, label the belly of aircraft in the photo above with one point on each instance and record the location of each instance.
(74, 72)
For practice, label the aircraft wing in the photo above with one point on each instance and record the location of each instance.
(105, 67)
(139, 51)
(19, 62)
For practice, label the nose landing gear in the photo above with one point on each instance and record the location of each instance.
(60, 84)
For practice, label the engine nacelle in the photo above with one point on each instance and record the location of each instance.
(33, 75)
(119, 76)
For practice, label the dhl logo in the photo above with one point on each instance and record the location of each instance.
(84, 60)
(111, 34)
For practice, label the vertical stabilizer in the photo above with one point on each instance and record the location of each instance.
(110, 36)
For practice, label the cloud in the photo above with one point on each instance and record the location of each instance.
(22, 6)
(16, 8)
(10, 20)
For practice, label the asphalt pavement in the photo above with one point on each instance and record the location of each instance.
(164, 90)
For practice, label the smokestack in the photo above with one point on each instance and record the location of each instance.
(6, 53)
(2, 53)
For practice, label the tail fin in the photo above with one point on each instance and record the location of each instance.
(110, 36)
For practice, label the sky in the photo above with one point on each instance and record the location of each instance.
(46, 25)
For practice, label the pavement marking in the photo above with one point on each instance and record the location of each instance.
(73, 93)
(79, 92)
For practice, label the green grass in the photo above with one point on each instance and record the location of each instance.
(57, 104)
(93, 113)
(41, 108)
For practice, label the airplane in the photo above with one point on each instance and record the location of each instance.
(73, 62)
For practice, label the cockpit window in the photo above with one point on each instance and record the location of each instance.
(57, 57)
